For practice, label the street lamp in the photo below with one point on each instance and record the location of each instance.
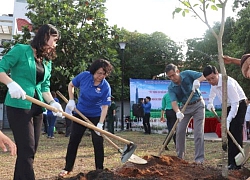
(122, 47)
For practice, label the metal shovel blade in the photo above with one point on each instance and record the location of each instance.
(137, 160)
(239, 160)
(243, 155)
(127, 152)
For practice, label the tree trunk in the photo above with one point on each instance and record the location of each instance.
(224, 108)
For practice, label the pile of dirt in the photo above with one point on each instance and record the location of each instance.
(165, 167)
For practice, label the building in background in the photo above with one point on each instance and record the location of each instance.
(11, 24)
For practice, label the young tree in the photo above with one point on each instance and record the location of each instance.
(203, 51)
(199, 10)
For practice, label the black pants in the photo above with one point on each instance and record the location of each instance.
(236, 128)
(146, 123)
(26, 127)
(110, 124)
(45, 123)
(68, 127)
(77, 132)
(171, 119)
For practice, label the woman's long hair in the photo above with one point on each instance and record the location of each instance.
(39, 43)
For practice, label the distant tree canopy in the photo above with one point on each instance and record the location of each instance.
(85, 35)
(147, 54)
(240, 4)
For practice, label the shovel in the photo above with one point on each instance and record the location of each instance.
(128, 149)
(134, 159)
(244, 154)
(169, 136)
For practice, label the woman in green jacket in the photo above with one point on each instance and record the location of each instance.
(30, 71)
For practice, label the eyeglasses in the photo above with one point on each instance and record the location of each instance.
(101, 73)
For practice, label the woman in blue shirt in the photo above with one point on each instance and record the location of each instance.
(93, 101)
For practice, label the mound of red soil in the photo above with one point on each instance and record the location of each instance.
(163, 168)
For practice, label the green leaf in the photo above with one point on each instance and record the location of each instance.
(173, 13)
(177, 10)
(219, 5)
(207, 6)
(213, 7)
(187, 4)
(183, 13)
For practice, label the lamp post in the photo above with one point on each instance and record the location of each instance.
(122, 47)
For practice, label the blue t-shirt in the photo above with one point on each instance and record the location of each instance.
(180, 93)
(147, 107)
(49, 112)
(91, 98)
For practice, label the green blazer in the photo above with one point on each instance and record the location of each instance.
(20, 62)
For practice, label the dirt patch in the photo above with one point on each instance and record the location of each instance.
(165, 167)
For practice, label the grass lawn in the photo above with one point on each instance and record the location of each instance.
(50, 158)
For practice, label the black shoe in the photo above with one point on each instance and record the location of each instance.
(233, 167)
(166, 148)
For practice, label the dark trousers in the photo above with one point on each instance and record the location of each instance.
(110, 124)
(68, 127)
(171, 119)
(236, 128)
(45, 123)
(26, 127)
(146, 123)
(75, 139)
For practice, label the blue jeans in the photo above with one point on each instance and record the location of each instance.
(51, 122)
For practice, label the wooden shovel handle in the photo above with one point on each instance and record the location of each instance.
(229, 133)
(77, 120)
(171, 133)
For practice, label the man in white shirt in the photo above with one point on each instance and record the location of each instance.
(236, 109)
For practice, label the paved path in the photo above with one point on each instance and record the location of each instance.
(211, 137)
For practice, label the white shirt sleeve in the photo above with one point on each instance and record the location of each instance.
(233, 98)
(212, 95)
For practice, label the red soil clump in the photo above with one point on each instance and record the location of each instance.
(163, 168)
